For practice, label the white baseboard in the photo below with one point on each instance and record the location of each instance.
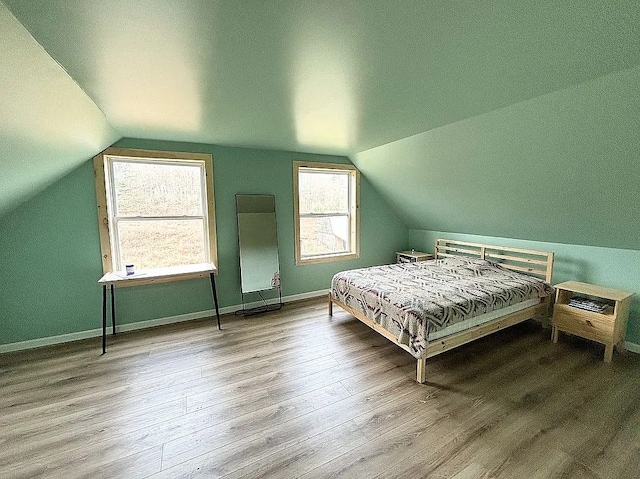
(92, 333)
(633, 347)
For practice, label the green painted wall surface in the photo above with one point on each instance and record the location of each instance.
(47, 253)
(50, 252)
(562, 168)
(615, 268)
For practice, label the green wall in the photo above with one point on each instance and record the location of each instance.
(615, 268)
(562, 167)
(50, 252)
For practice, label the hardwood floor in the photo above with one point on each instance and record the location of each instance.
(296, 394)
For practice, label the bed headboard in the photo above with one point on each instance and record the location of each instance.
(537, 263)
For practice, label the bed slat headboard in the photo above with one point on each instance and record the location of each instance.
(528, 261)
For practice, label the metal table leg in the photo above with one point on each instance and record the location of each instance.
(104, 315)
(104, 319)
(215, 297)
(113, 312)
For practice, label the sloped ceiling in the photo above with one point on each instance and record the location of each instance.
(48, 125)
(336, 77)
(560, 168)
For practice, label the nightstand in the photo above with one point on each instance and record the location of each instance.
(606, 327)
(412, 256)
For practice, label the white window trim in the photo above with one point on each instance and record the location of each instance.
(354, 213)
(149, 156)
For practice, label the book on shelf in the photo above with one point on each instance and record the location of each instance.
(588, 304)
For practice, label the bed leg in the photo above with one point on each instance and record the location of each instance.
(330, 306)
(421, 370)
(547, 313)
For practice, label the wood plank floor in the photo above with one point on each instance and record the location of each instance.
(296, 394)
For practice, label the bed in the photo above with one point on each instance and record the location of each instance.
(468, 291)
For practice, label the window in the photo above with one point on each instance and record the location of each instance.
(326, 209)
(155, 209)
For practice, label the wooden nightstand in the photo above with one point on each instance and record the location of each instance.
(412, 256)
(607, 327)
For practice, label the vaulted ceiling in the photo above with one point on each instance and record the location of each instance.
(339, 77)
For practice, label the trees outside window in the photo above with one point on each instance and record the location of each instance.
(326, 212)
(155, 208)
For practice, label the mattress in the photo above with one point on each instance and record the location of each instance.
(422, 301)
(483, 318)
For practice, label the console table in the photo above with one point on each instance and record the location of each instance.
(150, 276)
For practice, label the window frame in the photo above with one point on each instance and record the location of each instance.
(105, 218)
(354, 212)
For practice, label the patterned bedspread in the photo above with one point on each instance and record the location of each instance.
(412, 299)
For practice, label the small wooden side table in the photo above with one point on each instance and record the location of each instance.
(607, 327)
(412, 256)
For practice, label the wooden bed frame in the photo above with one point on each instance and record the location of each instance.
(535, 263)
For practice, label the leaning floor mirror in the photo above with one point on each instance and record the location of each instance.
(258, 247)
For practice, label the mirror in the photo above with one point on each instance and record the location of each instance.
(258, 243)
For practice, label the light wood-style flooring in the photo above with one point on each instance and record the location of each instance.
(297, 394)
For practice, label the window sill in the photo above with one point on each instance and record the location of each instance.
(327, 259)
